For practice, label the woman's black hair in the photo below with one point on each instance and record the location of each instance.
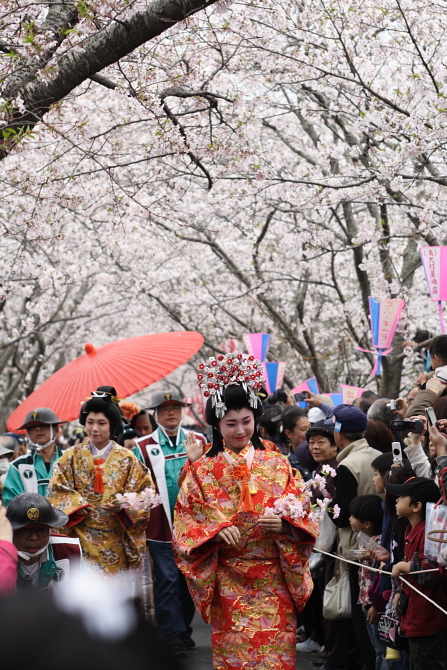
(289, 418)
(103, 406)
(143, 412)
(271, 420)
(383, 464)
(320, 428)
(368, 508)
(438, 347)
(127, 434)
(235, 398)
(398, 475)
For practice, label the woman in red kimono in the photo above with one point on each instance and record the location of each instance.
(246, 568)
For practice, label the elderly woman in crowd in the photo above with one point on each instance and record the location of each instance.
(324, 452)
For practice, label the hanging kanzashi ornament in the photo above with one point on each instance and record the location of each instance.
(228, 369)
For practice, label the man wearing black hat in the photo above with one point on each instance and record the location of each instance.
(164, 452)
(41, 563)
(32, 472)
(354, 478)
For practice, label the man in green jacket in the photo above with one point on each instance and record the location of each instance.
(32, 517)
(32, 472)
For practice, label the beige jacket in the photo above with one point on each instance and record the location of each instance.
(357, 457)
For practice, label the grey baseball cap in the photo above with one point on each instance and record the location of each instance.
(39, 416)
(168, 398)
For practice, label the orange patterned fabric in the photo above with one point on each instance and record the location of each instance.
(249, 593)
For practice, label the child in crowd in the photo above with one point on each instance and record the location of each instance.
(392, 543)
(423, 623)
(367, 516)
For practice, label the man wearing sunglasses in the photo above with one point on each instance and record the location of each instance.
(44, 559)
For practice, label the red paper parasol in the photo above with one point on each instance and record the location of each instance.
(128, 365)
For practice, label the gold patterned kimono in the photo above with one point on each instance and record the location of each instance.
(110, 542)
(251, 592)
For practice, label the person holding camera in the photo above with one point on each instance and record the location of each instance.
(422, 448)
(436, 382)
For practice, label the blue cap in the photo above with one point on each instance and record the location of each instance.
(348, 419)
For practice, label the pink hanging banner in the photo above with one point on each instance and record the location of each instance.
(434, 261)
(384, 317)
(274, 375)
(350, 393)
(257, 345)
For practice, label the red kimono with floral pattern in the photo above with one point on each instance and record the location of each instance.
(249, 593)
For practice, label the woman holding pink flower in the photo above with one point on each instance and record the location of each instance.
(244, 528)
(323, 449)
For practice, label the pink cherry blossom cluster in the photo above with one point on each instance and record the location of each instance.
(319, 480)
(146, 499)
(290, 506)
(296, 508)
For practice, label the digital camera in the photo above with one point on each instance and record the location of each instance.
(415, 425)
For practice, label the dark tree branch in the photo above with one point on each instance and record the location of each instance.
(102, 49)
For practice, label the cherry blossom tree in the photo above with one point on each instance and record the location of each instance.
(256, 166)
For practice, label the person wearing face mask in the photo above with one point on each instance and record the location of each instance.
(164, 452)
(44, 559)
(32, 471)
(246, 566)
(5, 461)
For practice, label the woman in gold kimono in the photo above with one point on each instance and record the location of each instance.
(246, 567)
(85, 482)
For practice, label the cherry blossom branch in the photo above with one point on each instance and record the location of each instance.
(100, 50)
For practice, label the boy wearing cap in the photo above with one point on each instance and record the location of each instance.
(32, 472)
(423, 623)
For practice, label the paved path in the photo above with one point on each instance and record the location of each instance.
(200, 658)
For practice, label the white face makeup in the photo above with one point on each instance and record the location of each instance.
(237, 428)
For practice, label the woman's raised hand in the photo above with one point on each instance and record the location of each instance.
(193, 448)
